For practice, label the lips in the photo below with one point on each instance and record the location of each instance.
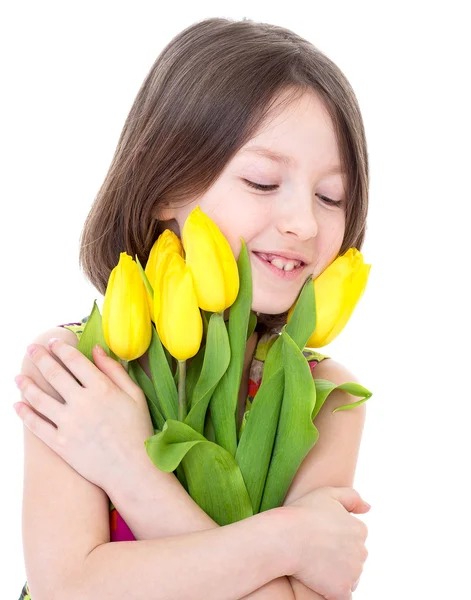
(284, 255)
(279, 273)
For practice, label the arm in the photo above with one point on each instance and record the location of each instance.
(148, 506)
(66, 537)
(209, 564)
(155, 505)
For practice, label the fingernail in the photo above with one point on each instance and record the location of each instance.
(17, 407)
(99, 350)
(51, 342)
(31, 349)
(18, 380)
(368, 505)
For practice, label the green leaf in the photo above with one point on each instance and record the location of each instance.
(193, 371)
(216, 360)
(243, 424)
(303, 320)
(93, 334)
(209, 432)
(252, 324)
(225, 397)
(162, 378)
(296, 433)
(258, 436)
(145, 279)
(325, 387)
(139, 376)
(205, 316)
(214, 480)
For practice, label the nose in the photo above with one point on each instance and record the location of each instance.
(297, 217)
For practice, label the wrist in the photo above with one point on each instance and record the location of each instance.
(154, 504)
(291, 549)
(285, 526)
(130, 475)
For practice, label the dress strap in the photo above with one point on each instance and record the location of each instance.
(76, 327)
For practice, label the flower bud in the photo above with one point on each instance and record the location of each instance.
(127, 327)
(179, 323)
(212, 262)
(165, 243)
(337, 291)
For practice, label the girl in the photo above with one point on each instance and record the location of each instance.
(260, 129)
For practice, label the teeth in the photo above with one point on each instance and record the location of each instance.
(285, 265)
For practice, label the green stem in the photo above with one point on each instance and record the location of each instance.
(125, 364)
(181, 390)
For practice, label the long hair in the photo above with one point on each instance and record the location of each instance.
(204, 98)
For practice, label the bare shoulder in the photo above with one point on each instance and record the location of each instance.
(64, 515)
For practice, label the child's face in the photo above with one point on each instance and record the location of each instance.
(291, 218)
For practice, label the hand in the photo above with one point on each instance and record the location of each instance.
(330, 541)
(101, 427)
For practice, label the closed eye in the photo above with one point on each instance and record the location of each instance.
(269, 188)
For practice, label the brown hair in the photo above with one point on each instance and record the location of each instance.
(203, 99)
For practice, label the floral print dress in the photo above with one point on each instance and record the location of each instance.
(119, 530)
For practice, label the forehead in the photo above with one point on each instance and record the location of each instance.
(300, 132)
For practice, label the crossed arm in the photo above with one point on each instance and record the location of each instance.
(53, 484)
(329, 463)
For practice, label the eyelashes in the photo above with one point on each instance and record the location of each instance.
(260, 186)
(269, 188)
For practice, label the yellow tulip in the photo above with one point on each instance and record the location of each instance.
(179, 323)
(212, 262)
(127, 327)
(337, 291)
(165, 243)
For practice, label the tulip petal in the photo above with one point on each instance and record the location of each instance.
(179, 322)
(212, 262)
(126, 318)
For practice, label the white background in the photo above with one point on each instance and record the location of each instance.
(70, 74)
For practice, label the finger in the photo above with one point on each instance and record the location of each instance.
(77, 363)
(52, 371)
(117, 373)
(45, 405)
(41, 428)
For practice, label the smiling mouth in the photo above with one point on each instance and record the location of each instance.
(284, 264)
(287, 270)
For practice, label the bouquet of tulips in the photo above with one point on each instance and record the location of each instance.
(174, 308)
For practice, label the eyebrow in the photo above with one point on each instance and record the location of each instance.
(287, 161)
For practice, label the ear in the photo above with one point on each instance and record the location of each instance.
(164, 212)
(166, 216)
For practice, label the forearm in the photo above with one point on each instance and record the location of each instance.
(155, 505)
(209, 565)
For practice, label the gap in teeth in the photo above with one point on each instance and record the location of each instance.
(285, 265)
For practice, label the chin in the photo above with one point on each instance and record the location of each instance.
(270, 306)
